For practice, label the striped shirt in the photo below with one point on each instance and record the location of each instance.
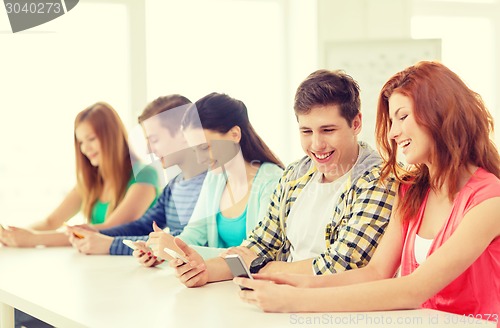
(173, 210)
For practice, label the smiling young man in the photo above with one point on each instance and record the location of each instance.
(330, 208)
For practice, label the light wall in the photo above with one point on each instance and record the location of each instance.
(469, 33)
(121, 51)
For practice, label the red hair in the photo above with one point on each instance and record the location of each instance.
(116, 166)
(456, 119)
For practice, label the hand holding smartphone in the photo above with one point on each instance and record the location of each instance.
(175, 255)
(238, 267)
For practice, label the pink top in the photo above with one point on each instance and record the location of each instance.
(477, 290)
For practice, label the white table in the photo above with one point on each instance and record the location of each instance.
(68, 289)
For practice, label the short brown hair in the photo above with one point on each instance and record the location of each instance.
(324, 87)
(162, 104)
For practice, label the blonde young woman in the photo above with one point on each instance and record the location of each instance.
(107, 191)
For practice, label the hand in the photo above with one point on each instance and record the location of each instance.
(17, 237)
(158, 240)
(2, 229)
(145, 256)
(194, 273)
(91, 243)
(246, 254)
(3, 235)
(270, 297)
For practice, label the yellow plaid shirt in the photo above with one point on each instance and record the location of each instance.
(358, 220)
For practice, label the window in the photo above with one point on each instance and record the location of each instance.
(49, 74)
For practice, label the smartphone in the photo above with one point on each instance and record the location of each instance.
(175, 255)
(238, 267)
(130, 243)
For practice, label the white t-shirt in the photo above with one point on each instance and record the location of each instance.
(312, 211)
(422, 247)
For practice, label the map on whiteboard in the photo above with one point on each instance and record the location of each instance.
(371, 63)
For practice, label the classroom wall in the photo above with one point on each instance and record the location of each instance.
(119, 51)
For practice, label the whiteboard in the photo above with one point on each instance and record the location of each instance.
(372, 62)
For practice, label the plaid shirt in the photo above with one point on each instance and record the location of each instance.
(358, 220)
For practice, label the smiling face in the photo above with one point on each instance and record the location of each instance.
(329, 141)
(213, 148)
(414, 142)
(162, 143)
(90, 145)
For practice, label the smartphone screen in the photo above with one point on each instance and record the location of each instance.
(238, 267)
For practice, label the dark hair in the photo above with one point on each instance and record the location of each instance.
(162, 104)
(453, 115)
(219, 112)
(324, 87)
